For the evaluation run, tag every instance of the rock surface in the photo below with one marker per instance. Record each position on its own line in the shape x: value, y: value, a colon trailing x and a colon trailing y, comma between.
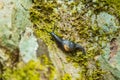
x: 28, y: 46
x: 110, y: 59
x: 14, y: 21
x: 17, y: 37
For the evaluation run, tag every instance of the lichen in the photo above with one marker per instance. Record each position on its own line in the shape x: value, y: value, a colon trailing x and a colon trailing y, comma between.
x: 110, y: 6
x: 114, y: 6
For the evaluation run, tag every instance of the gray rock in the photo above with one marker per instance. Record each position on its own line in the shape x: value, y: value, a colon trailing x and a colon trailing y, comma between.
x: 28, y: 46
x: 14, y: 20
x: 42, y: 49
x: 109, y: 23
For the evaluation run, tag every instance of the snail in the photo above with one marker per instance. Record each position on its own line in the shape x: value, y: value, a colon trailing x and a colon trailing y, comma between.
x: 66, y: 45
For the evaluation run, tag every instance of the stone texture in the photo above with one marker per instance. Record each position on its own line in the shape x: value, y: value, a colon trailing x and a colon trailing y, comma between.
x: 109, y: 23
x: 16, y: 32
x: 28, y: 46
x: 13, y: 22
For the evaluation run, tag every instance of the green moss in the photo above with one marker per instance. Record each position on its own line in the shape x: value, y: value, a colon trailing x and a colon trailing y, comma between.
x: 44, y: 18
x: 28, y: 72
x: 66, y: 77
x: 31, y: 71
x: 69, y: 23
x: 114, y: 6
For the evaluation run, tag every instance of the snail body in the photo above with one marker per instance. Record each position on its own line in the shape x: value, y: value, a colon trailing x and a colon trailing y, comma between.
x: 66, y: 45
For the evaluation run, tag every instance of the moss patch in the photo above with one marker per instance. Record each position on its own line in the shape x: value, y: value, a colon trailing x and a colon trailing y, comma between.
x: 30, y: 71
x: 75, y: 26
